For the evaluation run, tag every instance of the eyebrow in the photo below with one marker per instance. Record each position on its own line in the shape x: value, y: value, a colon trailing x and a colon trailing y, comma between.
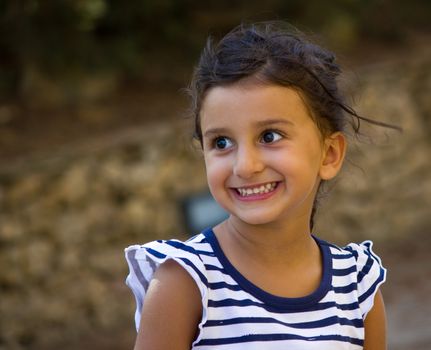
x: 274, y: 121
x: 262, y: 123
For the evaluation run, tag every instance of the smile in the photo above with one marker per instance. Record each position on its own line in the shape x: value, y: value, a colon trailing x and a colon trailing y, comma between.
x: 258, y: 190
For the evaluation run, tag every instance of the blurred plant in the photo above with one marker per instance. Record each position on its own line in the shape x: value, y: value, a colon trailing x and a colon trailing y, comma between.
x: 137, y: 38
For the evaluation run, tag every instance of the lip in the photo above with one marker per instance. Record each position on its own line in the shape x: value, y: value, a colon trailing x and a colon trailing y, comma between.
x: 258, y: 196
x: 255, y: 185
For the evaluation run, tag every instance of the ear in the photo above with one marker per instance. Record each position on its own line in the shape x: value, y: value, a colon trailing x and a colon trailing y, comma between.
x: 334, y: 151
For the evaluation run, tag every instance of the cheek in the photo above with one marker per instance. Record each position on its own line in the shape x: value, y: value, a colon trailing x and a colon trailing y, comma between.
x: 301, y: 162
x: 217, y: 176
x: 217, y: 170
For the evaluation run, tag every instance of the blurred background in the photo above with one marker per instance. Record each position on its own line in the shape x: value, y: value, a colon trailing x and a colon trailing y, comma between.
x: 96, y: 152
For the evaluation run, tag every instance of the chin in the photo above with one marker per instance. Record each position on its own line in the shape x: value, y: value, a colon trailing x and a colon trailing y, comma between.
x: 257, y: 219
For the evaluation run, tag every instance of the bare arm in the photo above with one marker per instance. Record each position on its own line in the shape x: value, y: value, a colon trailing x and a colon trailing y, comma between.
x: 375, y: 325
x: 171, y: 312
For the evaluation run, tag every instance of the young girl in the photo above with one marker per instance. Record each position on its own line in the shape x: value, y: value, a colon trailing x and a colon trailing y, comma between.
x: 270, y: 120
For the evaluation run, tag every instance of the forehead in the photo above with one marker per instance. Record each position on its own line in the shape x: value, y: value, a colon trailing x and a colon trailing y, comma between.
x: 253, y: 103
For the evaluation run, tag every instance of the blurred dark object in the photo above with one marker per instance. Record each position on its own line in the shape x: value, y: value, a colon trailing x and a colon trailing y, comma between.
x: 201, y: 211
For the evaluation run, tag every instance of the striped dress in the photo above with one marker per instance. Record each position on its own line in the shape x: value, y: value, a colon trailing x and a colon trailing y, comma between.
x: 239, y: 315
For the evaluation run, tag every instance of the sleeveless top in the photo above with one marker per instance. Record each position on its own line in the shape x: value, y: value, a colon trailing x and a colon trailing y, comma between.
x: 236, y: 314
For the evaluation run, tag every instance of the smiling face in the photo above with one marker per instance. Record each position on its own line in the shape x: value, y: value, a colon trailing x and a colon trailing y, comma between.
x: 263, y: 152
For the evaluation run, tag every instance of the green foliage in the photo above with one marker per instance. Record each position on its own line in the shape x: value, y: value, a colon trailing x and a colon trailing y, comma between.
x: 66, y: 37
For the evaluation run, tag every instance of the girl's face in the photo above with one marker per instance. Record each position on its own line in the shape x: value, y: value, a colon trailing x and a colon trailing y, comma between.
x: 264, y: 154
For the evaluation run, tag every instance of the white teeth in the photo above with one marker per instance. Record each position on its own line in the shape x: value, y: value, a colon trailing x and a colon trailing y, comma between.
x: 269, y: 187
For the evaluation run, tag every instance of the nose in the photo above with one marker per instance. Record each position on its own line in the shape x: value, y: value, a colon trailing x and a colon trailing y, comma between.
x: 248, y: 162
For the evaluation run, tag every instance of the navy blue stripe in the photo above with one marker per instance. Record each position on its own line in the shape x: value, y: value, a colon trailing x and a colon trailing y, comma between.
x: 203, y: 240
x: 191, y: 239
x: 281, y: 303
x: 340, y: 290
x: 209, y: 267
x: 373, y: 287
x: 202, y: 277
x: 330, y: 321
x: 344, y: 272
x: 159, y: 255
x: 156, y: 253
x: 247, y: 302
x: 277, y: 336
x: 330, y: 245
x: 366, y: 268
x: 368, y: 244
x: 220, y: 285
x: 353, y: 251
x: 187, y: 248
x: 346, y: 289
x: 342, y: 256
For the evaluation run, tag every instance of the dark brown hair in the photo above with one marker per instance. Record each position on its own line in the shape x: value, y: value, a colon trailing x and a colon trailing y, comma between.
x: 275, y: 53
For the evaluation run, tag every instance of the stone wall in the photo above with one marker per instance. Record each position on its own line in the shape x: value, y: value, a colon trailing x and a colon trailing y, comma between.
x: 66, y: 216
x: 384, y: 191
x: 65, y: 220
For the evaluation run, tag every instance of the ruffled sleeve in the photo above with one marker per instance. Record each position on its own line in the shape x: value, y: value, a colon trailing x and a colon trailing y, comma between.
x: 370, y: 274
x: 143, y: 261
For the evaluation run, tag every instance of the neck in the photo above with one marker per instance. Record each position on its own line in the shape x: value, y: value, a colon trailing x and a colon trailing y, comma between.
x: 275, y: 243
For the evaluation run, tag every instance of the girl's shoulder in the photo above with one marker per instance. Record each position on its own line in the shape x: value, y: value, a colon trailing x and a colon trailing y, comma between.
x: 359, y: 264
x: 188, y: 254
x: 361, y: 255
x: 357, y: 251
x: 143, y: 261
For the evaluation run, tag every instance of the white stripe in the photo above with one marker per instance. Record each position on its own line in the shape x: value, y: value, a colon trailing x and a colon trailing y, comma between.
x: 293, y: 345
x: 288, y: 317
x: 237, y: 330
